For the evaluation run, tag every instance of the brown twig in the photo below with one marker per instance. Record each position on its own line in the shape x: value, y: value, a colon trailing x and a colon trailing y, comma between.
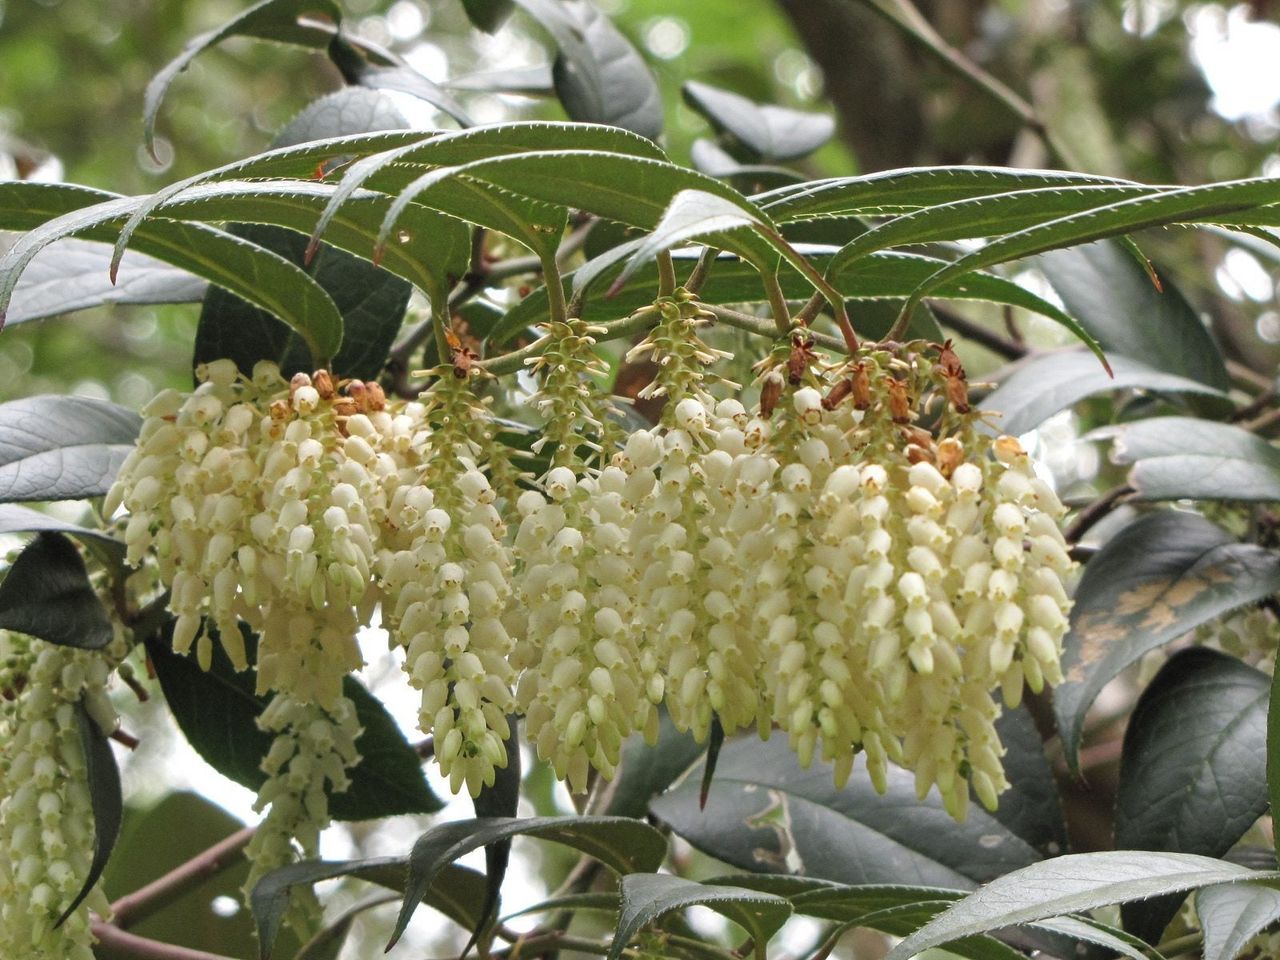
x: 993, y: 341
x: 145, y: 901
x: 1095, y: 511
x: 117, y: 944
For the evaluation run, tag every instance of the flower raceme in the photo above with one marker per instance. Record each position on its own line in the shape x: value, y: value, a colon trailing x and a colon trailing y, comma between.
x: 859, y: 564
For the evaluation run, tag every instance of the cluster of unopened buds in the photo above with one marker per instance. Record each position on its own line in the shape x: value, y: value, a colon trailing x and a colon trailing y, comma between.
x: 857, y: 562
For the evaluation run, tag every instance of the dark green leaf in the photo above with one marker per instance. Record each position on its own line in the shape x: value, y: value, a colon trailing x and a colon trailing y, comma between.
x: 895, y: 191
x: 529, y: 81
x: 883, y: 276
x: 1071, y: 884
x: 217, y: 711
x: 456, y: 891
x: 19, y: 519
x: 356, y: 69
x: 62, y: 448
x: 1193, y: 773
x: 647, y: 896
x: 500, y: 800
x: 1186, y: 205
x: 645, y: 771
x: 770, y: 132
x: 1030, y: 808
x: 430, y: 249
x: 1233, y: 914
x: 371, y: 302
x: 73, y: 275
x: 1112, y: 296
x: 1177, y: 457
x: 985, y: 216
x: 598, y: 75
x: 52, y: 211
x: 488, y: 15
x: 691, y: 214
x: 765, y: 814
x: 47, y: 594
x: 604, y: 901
x: 277, y: 20
x: 102, y: 777
x: 327, y: 943
x: 1158, y: 578
x: 620, y: 843
x: 1041, y: 386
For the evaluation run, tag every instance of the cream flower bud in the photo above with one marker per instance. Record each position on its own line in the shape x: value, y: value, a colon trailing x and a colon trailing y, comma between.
x: 808, y: 404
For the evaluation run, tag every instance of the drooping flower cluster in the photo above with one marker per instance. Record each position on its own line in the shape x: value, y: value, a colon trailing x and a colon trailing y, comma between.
x: 46, y: 815
x: 314, y: 747
x: 446, y: 573
x: 858, y: 563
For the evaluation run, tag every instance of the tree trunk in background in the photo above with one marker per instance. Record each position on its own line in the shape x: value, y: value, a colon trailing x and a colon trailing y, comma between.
x: 872, y: 77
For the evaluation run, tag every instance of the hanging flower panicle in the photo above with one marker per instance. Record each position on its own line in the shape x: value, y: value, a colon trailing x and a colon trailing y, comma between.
x: 46, y: 814
x: 447, y: 576
x: 313, y: 749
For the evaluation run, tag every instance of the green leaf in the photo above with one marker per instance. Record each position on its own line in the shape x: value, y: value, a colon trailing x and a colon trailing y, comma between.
x: 1158, y: 578
x: 1187, y: 205
x: 899, y: 910
x: 769, y: 132
x: 620, y: 843
x: 1186, y: 457
x: 691, y: 214
x: 456, y: 892
x: 478, y: 144
x: 257, y: 275
x: 1042, y: 385
x: 277, y: 20
x: 1233, y: 914
x: 1112, y: 296
x: 1071, y: 884
x: 647, y: 896
x: 598, y: 75
x: 896, y: 191
x: 62, y: 448
x: 1193, y: 773
x: 217, y: 711
x: 606, y: 901
x: 72, y: 275
x: 47, y: 594
x: 102, y: 777
x: 19, y: 519
x: 328, y: 942
x: 984, y: 216
x: 500, y: 800
x: 371, y: 301
x: 645, y: 771
x: 356, y: 69
x: 1030, y: 808
x: 765, y: 814
x: 881, y: 276
x: 1273, y: 753
x: 488, y: 15
x: 430, y: 249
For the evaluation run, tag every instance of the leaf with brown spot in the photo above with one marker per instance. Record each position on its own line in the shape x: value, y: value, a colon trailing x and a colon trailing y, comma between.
x: 1161, y: 576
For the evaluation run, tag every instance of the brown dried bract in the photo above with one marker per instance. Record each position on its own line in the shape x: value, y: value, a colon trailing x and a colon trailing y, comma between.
x: 952, y: 372
x: 298, y: 381
x: 861, y: 382
x: 950, y: 455
x: 899, y: 400
x: 802, y: 356
x: 837, y: 394
x: 770, y: 391
x: 919, y: 454
x: 323, y: 384
x: 463, y: 357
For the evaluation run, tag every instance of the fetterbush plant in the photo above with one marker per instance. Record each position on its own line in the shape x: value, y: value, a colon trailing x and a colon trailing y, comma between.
x: 825, y: 543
